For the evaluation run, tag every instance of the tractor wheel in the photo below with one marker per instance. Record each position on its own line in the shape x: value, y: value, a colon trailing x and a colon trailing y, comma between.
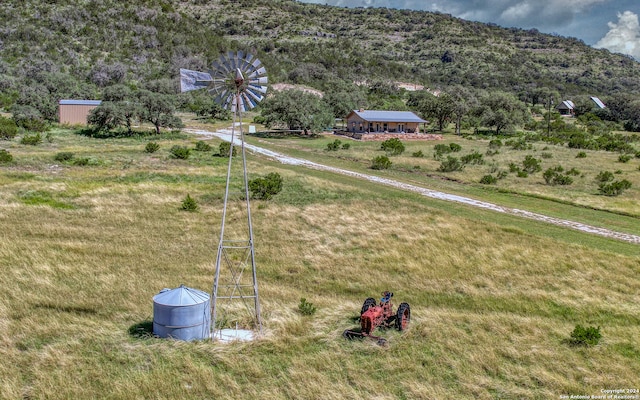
x: 370, y: 302
x: 403, y: 317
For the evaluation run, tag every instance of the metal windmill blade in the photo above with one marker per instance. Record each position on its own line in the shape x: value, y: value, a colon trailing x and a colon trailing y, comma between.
x: 238, y: 81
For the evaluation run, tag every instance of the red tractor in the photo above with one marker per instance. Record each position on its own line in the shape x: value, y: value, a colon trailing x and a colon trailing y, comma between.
x: 374, y: 316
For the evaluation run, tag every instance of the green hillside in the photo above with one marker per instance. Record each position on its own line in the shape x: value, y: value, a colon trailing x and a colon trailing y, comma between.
x: 70, y: 49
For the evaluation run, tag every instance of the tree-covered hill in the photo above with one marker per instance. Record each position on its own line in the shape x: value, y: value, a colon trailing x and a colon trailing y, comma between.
x: 74, y: 49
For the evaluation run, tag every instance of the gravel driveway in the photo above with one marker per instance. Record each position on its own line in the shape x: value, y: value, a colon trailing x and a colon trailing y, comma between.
x: 225, y: 134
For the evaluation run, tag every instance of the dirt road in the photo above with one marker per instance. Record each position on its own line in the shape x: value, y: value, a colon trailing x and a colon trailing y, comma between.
x: 225, y: 134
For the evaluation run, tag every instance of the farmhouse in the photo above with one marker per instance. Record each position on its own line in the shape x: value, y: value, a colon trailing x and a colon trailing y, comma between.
x: 370, y: 121
x: 76, y: 112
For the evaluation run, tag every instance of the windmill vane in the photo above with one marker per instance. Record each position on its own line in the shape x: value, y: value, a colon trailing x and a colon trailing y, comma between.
x: 236, y: 80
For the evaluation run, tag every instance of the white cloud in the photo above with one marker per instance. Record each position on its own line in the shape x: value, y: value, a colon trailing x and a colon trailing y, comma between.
x: 624, y: 36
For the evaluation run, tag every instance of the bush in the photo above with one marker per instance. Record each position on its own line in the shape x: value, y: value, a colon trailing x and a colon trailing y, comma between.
x: 531, y: 164
x: 8, y: 128
x: 5, y: 156
x: 495, y: 144
x: 63, y: 156
x: 381, y: 162
x: 346, y: 146
x: 473, y: 158
x: 223, y: 149
x: 81, y: 161
x: 264, y: 188
x: 624, y: 158
x: 546, y: 155
x: 202, y: 146
x: 581, y: 336
x: 604, y: 176
x: 556, y: 176
x: 189, y: 204
x: 180, y: 152
x: 451, y: 164
x: 614, y: 188
x: 418, y: 154
x: 455, y: 147
x: 306, y: 308
x: 151, y: 147
x: 334, y: 146
x: 581, y: 154
x: 488, y: 180
x: 31, y: 140
x: 392, y: 147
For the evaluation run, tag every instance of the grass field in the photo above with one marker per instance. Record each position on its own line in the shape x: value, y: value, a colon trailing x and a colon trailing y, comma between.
x: 83, y: 249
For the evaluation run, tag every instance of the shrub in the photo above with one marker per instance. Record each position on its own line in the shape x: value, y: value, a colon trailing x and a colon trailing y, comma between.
x: 346, y: 146
x: 306, y: 308
x: 624, y: 158
x: 223, y: 149
x: 604, y: 176
x: 495, y: 144
x: 381, y: 162
x: 63, y: 156
x: 8, y: 128
x: 614, y: 188
x: 151, y: 147
x: 472, y: 158
x: 451, y: 164
x: 455, y: 147
x: 31, y: 140
x: 546, y: 155
x: 81, y: 161
x: 418, y: 154
x: 264, y: 188
x: 5, y: 156
x: 556, y: 176
x: 531, y: 164
x: 180, y: 152
x: 488, y: 180
x: 189, y: 204
x: 581, y: 154
x: 202, y: 146
x: 334, y: 146
x: 581, y: 336
x: 392, y: 147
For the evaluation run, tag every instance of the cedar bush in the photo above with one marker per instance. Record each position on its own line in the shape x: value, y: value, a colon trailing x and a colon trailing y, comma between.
x: 264, y: 188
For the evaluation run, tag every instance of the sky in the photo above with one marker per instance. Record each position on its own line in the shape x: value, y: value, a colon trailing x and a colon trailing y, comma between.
x: 609, y: 24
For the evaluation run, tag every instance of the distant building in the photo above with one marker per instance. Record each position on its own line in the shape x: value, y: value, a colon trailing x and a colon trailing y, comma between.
x: 566, y: 108
x: 76, y: 112
x: 377, y: 121
x: 598, y: 102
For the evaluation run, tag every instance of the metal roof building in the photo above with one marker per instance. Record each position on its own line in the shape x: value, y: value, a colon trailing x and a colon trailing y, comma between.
x: 76, y: 112
x: 383, y: 121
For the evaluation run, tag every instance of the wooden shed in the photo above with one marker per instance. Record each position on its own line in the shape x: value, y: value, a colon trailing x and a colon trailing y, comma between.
x: 76, y: 112
x: 377, y: 121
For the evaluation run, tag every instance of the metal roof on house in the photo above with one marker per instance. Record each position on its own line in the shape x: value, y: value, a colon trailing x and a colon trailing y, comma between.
x: 598, y: 102
x: 388, y: 116
x: 567, y: 105
x: 80, y: 102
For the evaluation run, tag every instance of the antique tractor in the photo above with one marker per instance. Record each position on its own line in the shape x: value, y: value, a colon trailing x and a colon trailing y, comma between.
x: 374, y: 316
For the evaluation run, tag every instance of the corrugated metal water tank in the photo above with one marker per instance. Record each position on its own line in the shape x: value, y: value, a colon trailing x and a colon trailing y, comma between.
x: 182, y: 313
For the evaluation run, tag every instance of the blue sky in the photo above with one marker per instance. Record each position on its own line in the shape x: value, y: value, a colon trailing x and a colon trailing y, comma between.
x: 610, y: 24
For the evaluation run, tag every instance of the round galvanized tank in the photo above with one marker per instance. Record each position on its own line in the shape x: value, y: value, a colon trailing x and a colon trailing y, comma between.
x: 182, y: 313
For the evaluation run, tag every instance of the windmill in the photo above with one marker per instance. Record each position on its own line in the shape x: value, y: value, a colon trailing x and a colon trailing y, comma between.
x: 238, y: 82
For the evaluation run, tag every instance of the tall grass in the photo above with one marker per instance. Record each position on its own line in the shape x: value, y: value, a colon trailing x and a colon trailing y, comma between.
x: 493, y: 297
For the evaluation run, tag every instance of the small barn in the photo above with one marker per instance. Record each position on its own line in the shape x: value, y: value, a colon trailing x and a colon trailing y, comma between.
x: 566, y: 108
x: 76, y: 112
x: 377, y: 121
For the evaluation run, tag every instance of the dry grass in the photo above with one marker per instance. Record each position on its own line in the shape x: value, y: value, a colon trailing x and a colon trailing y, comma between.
x: 493, y: 298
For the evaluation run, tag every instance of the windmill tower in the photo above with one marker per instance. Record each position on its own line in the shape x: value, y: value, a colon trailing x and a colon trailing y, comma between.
x: 238, y: 82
